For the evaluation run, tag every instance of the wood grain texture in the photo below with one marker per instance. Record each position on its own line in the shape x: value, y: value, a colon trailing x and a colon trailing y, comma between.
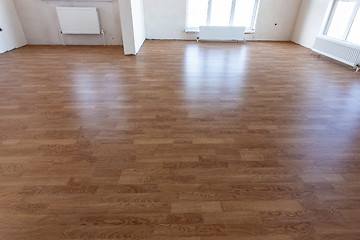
x: 186, y: 141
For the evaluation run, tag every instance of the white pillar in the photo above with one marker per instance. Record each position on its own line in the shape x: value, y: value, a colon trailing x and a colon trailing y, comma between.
x: 12, y: 35
x: 132, y: 24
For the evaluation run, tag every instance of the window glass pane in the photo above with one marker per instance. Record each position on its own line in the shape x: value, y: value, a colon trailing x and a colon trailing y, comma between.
x: 243, y: 13
x: 196, y: 13
x: 341, y: 19
x: 220, y: 12
x: 354, y: 35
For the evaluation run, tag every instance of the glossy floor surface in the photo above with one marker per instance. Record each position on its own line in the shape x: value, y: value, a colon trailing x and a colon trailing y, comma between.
x: 186, y: 141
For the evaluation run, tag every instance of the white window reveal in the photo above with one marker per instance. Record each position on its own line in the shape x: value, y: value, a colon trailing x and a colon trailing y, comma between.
x: 221, y: 13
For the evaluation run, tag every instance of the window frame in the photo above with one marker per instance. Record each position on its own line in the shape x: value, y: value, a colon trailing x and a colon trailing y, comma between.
x: 350, y: 23
x: 231, y: 19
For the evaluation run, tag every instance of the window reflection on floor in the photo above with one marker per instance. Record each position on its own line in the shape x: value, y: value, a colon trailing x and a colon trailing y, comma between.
x: 220, y: 70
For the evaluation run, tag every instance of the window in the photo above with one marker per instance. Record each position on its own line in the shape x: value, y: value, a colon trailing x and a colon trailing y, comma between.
x: 354, y: 34
x: 344, y: 21
x: 221, y: 13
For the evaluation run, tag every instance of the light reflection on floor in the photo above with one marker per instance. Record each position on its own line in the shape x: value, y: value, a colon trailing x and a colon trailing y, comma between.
x: 217, y: 70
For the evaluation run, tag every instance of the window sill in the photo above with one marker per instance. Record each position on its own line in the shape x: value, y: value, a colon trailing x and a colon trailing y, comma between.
x: 197, y: 30
x: 341, y: 41
x: 192, y: 30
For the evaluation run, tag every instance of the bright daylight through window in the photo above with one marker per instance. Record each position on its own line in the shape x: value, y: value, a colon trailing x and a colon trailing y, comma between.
x: 221, y: 13
x: 344, y: 21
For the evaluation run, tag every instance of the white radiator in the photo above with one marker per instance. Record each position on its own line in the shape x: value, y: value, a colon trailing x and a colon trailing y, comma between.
x: 79, y: 20
x: 339, y: 50
x: 221, y: 33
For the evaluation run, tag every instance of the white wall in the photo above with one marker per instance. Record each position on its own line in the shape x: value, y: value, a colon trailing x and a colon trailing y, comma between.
x: 281, y: 12
x: 12, y: 35
x: 41, y: 25
x: 299, y: 21
x: 132, y: 22
x: 310, y: 19
x: 165, y: 19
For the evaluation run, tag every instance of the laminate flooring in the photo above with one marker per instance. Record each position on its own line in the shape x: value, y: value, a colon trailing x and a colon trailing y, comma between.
x: 186, y: 141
